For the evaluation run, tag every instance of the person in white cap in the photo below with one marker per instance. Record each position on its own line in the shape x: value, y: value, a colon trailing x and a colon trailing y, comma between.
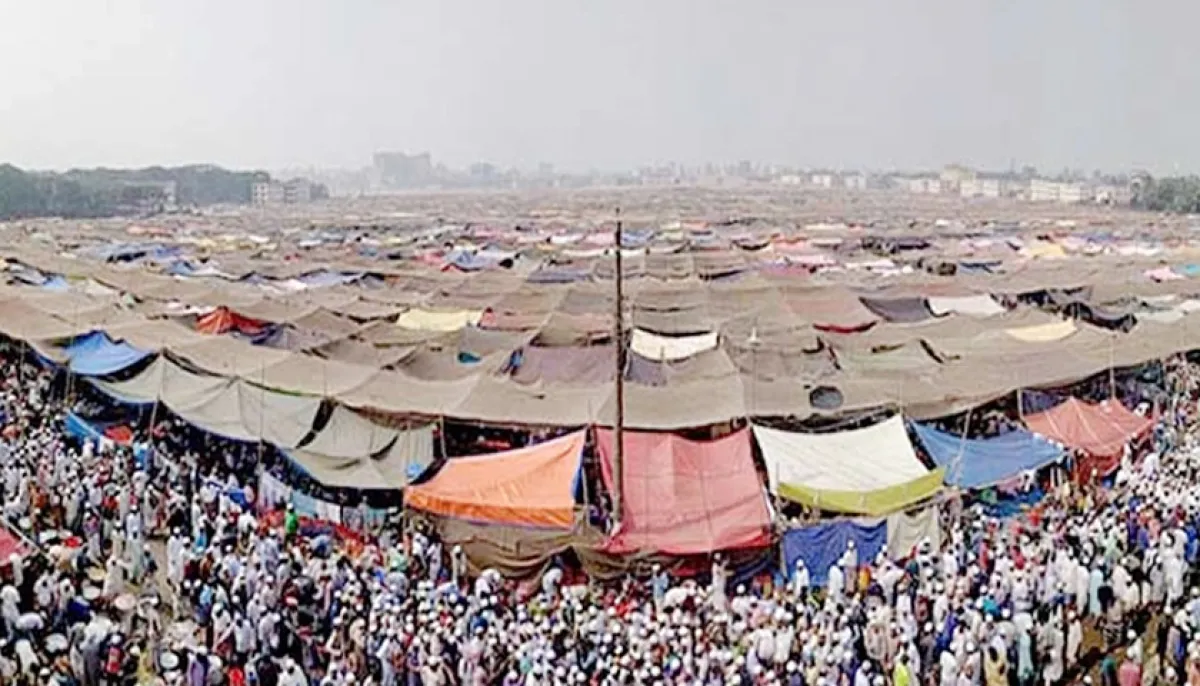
x: 800, y: 581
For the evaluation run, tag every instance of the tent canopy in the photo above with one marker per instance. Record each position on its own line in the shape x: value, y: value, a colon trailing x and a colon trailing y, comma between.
x: 872, y: 470
x: 96, y: 354
x: 684, y: 497
x: 1100, y: 429
x: 979, y: 463
x: 531, y: 486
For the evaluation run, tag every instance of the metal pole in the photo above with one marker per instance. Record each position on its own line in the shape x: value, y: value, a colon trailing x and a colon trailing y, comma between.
x: 619, y: 337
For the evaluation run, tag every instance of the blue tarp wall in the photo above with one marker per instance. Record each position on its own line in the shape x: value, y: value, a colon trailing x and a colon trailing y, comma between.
x: 822, y: 545
x: 986, y: 462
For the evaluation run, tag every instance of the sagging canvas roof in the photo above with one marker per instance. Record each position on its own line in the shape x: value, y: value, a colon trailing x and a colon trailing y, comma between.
x: 683, y: 497
x: 980, y: 463
x: 1100, y: 429
x: 393, y: 466
x: 531, y: 486
x: 872, y: 470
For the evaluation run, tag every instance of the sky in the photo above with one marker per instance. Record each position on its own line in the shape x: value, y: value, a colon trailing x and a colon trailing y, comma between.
x: 877, y: 84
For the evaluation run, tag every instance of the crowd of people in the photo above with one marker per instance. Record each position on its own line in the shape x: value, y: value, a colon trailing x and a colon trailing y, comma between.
x: 142, y: 570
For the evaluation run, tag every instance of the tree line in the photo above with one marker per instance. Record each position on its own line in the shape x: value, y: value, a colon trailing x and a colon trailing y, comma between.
x: 86, y: 193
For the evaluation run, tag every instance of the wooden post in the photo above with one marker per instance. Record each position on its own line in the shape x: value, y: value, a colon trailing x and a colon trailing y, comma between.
x: 619, y: 335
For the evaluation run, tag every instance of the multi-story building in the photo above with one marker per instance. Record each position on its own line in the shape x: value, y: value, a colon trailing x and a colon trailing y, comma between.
x: 266, y: 193
x: 926, y: 185
x: 822, y: 180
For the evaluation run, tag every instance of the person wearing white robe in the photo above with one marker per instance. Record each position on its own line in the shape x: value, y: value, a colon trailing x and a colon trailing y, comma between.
x: 1074, y: 640
x: 800, y: 581
x: 836, y: 583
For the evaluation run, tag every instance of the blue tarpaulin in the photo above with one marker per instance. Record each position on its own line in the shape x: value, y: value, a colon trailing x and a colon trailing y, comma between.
x: 96, y: 354
x: 57, y: 284
x: 983, y: 462
x: 82, y: 429
x: 822, y: 545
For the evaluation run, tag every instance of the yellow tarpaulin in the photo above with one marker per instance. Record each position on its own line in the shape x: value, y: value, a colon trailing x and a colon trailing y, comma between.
x: 875, y: 503
x: 1043, y: 333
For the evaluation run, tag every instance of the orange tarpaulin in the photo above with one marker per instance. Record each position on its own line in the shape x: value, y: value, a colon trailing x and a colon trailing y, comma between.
x: 527, y: 487
x: 223, y: 319
x: 1101, y: 430
x: 686, y: 497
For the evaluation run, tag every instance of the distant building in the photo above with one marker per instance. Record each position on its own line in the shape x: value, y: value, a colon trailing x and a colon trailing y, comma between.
x: 983, y: 188
x: 267, y: 193
x: 401, y: 170
x: 1043, y: 190
x: 295, y: 191
x: 855, y: 182
x: 822, y: 180
x: 925, y: 185
x: 953, y: 176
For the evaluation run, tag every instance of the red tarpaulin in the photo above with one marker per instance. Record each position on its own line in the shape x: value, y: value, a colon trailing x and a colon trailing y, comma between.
x: 1101, y: 431
x: 223, y: 319
x: 10, y: 544
x: 684, y: 497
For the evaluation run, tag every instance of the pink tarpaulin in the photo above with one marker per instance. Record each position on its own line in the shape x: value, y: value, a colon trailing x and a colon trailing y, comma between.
x: 9, y: 544
x: 1101, y: 430
x: 684, y: 497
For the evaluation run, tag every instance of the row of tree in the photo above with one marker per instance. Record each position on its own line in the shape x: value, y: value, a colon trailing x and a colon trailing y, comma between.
x: 1178, y: 194
x: 82, y: 193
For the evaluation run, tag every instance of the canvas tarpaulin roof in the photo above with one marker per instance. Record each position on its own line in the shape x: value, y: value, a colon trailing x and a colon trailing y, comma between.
x: 347, y: 434
x: 229, y: 407
x: 984, y: 462
x: 396, y: 464
x: 1100, y: 429
x: 532, y: 486
x: 685, y: 497
x: 96, y: 354
x: 872, y: 470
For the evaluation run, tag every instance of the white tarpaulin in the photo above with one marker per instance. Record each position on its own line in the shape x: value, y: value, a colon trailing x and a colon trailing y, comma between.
x: 669, y: 348
x: 907, y: 530
x: 438, y: 320
x: 869, y: 459
x: 969, y: 305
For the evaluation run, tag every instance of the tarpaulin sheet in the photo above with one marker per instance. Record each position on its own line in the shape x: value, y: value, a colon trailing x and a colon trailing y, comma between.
x: 223, y: 320
x: 95, y: 355
x: 983, y: 462
x: 866, y: 459
x: 1043, y: 333
x: 82, y: 429
x: 906, y: 531
x: 655, y: 347
x: 822, y: 545
x: 445, y: 320
x: 684, y: 497
x: 969, y: 305
x: 899, y: 310
x: 531, y: 486
x: 1101, y: 430
x: 397, y: 464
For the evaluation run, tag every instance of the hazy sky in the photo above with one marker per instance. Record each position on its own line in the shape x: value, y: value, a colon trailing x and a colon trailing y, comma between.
x: 1088, y: 84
